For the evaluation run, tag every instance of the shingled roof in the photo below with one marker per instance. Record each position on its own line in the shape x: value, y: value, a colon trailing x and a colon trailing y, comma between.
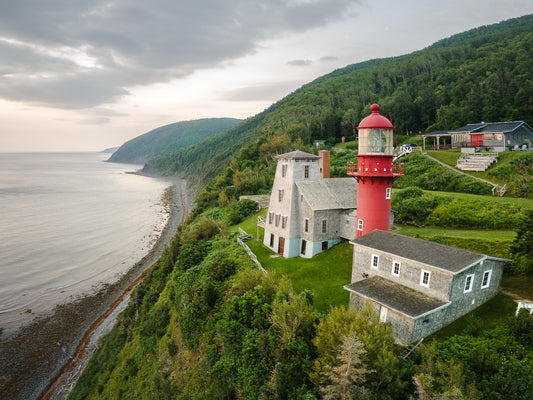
x: 438, y: 255
x: 298, y: 155
x: 491, y: 127
x: 329, y: 194
x: 395, y: 296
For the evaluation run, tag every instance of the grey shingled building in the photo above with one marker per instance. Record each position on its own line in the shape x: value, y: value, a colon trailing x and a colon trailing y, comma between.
x: 419, y: 286
x: 308, y: 212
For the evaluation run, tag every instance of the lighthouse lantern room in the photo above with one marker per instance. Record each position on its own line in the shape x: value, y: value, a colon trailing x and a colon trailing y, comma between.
x: 375, y: 172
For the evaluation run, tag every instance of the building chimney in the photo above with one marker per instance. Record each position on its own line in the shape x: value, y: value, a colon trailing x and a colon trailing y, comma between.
x: 323, y: 163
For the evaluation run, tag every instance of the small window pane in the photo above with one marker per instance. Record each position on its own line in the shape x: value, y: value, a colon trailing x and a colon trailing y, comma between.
x: 424, y: 278
x: 486, y: 279
x: 395, y: 268
x: 468, y: 283
x: 375, y: 261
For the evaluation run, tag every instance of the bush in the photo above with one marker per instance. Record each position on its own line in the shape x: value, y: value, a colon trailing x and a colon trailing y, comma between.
x: 242, y: 210
x: 417, y: 209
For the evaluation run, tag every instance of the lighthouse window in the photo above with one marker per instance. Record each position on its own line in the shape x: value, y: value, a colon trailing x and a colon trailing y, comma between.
x: 359, y: 224
x: 388, y: 193
x: 378, y: 141
x: 306, y: 225
x: 280, y: 194
x: 306, y: 171
x: 284, y: 221
x: 324, y: 225
x: 270, y: 217
x: 277, y: 219
x: 284, y: 170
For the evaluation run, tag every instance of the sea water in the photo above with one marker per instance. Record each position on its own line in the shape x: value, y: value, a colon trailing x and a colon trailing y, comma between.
x: 69, y: 223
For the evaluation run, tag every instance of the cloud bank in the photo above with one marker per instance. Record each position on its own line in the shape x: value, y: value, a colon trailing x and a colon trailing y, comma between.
x: 82, y: 53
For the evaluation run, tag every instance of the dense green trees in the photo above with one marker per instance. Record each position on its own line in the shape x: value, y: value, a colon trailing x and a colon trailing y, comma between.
x: 496, y: 364
x: 169, y: 138
x: 480, y: 75
x: 206, y: 324
x: 522, y: 247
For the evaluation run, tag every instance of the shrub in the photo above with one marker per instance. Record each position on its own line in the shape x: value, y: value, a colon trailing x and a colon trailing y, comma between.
x: 242, y: 210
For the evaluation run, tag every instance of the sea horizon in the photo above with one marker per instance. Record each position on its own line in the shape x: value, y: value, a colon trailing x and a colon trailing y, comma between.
x: 72, y: 222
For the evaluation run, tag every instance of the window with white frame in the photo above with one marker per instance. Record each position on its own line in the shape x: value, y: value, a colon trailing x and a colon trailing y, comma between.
x: 424, y: 278
x: 375, y: 261
x: 485, y: 282
x: 283, y: 221
x: 306, y: 171
x: 270, y: 218
x: 395, y: 268
x: 277, y: 219
x: 284, y: 170
x: 388, y: 192
x: 359, y: 224
x: 280, y: 194
x: 306, y: 223
x: 469, y: 281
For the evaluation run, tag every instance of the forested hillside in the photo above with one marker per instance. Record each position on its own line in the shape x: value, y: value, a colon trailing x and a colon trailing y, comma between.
x: 205, y: 323
x: 481, y: 75
x: 169, y: 138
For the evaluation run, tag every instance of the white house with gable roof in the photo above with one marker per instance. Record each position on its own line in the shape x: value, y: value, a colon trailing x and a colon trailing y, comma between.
x: 308, y: 211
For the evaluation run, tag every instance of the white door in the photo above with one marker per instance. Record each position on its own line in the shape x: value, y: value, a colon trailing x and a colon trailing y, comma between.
x: 383, y: 314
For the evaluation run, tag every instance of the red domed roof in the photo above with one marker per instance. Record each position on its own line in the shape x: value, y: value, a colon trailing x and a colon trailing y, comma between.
x: 375, y: 120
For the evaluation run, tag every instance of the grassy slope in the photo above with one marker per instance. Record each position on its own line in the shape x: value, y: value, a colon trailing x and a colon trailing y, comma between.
x: 450, y: 157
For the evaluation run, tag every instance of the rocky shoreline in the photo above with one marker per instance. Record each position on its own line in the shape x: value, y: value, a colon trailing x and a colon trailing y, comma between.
x: 35, y: 357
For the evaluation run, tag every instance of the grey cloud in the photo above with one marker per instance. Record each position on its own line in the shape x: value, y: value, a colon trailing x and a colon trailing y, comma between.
x: 260, y: 92
x: 135, y: 42
x: 96, y: 121
x: 300, y: 63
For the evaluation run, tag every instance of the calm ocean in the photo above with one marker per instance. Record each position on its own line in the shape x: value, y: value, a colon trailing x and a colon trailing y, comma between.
x: 69, y: 223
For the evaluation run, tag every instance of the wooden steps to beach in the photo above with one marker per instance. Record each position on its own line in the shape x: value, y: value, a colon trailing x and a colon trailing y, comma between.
x: 477, y: 162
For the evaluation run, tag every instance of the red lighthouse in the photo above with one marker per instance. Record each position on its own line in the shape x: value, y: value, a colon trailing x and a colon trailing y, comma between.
x: 375, y: 172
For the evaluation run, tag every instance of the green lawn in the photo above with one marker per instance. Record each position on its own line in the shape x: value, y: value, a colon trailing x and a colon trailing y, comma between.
x: 521, y: 286
x: 432, y: 232
x: 522, y: 203
x: 449, y: 157
x: 324, y: 274
x: 489, y: 315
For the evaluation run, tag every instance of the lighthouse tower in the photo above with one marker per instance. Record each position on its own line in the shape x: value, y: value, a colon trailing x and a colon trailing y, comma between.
x: 374, y: 172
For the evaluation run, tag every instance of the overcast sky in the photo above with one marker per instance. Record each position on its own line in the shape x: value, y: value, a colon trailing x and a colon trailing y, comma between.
x: 80, y: 75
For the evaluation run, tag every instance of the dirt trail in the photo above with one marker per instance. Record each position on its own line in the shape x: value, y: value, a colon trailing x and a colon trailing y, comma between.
x: 461, y: 172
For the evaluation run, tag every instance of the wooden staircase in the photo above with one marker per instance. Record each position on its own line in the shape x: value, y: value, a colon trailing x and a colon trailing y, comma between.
x: 477, y: 162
